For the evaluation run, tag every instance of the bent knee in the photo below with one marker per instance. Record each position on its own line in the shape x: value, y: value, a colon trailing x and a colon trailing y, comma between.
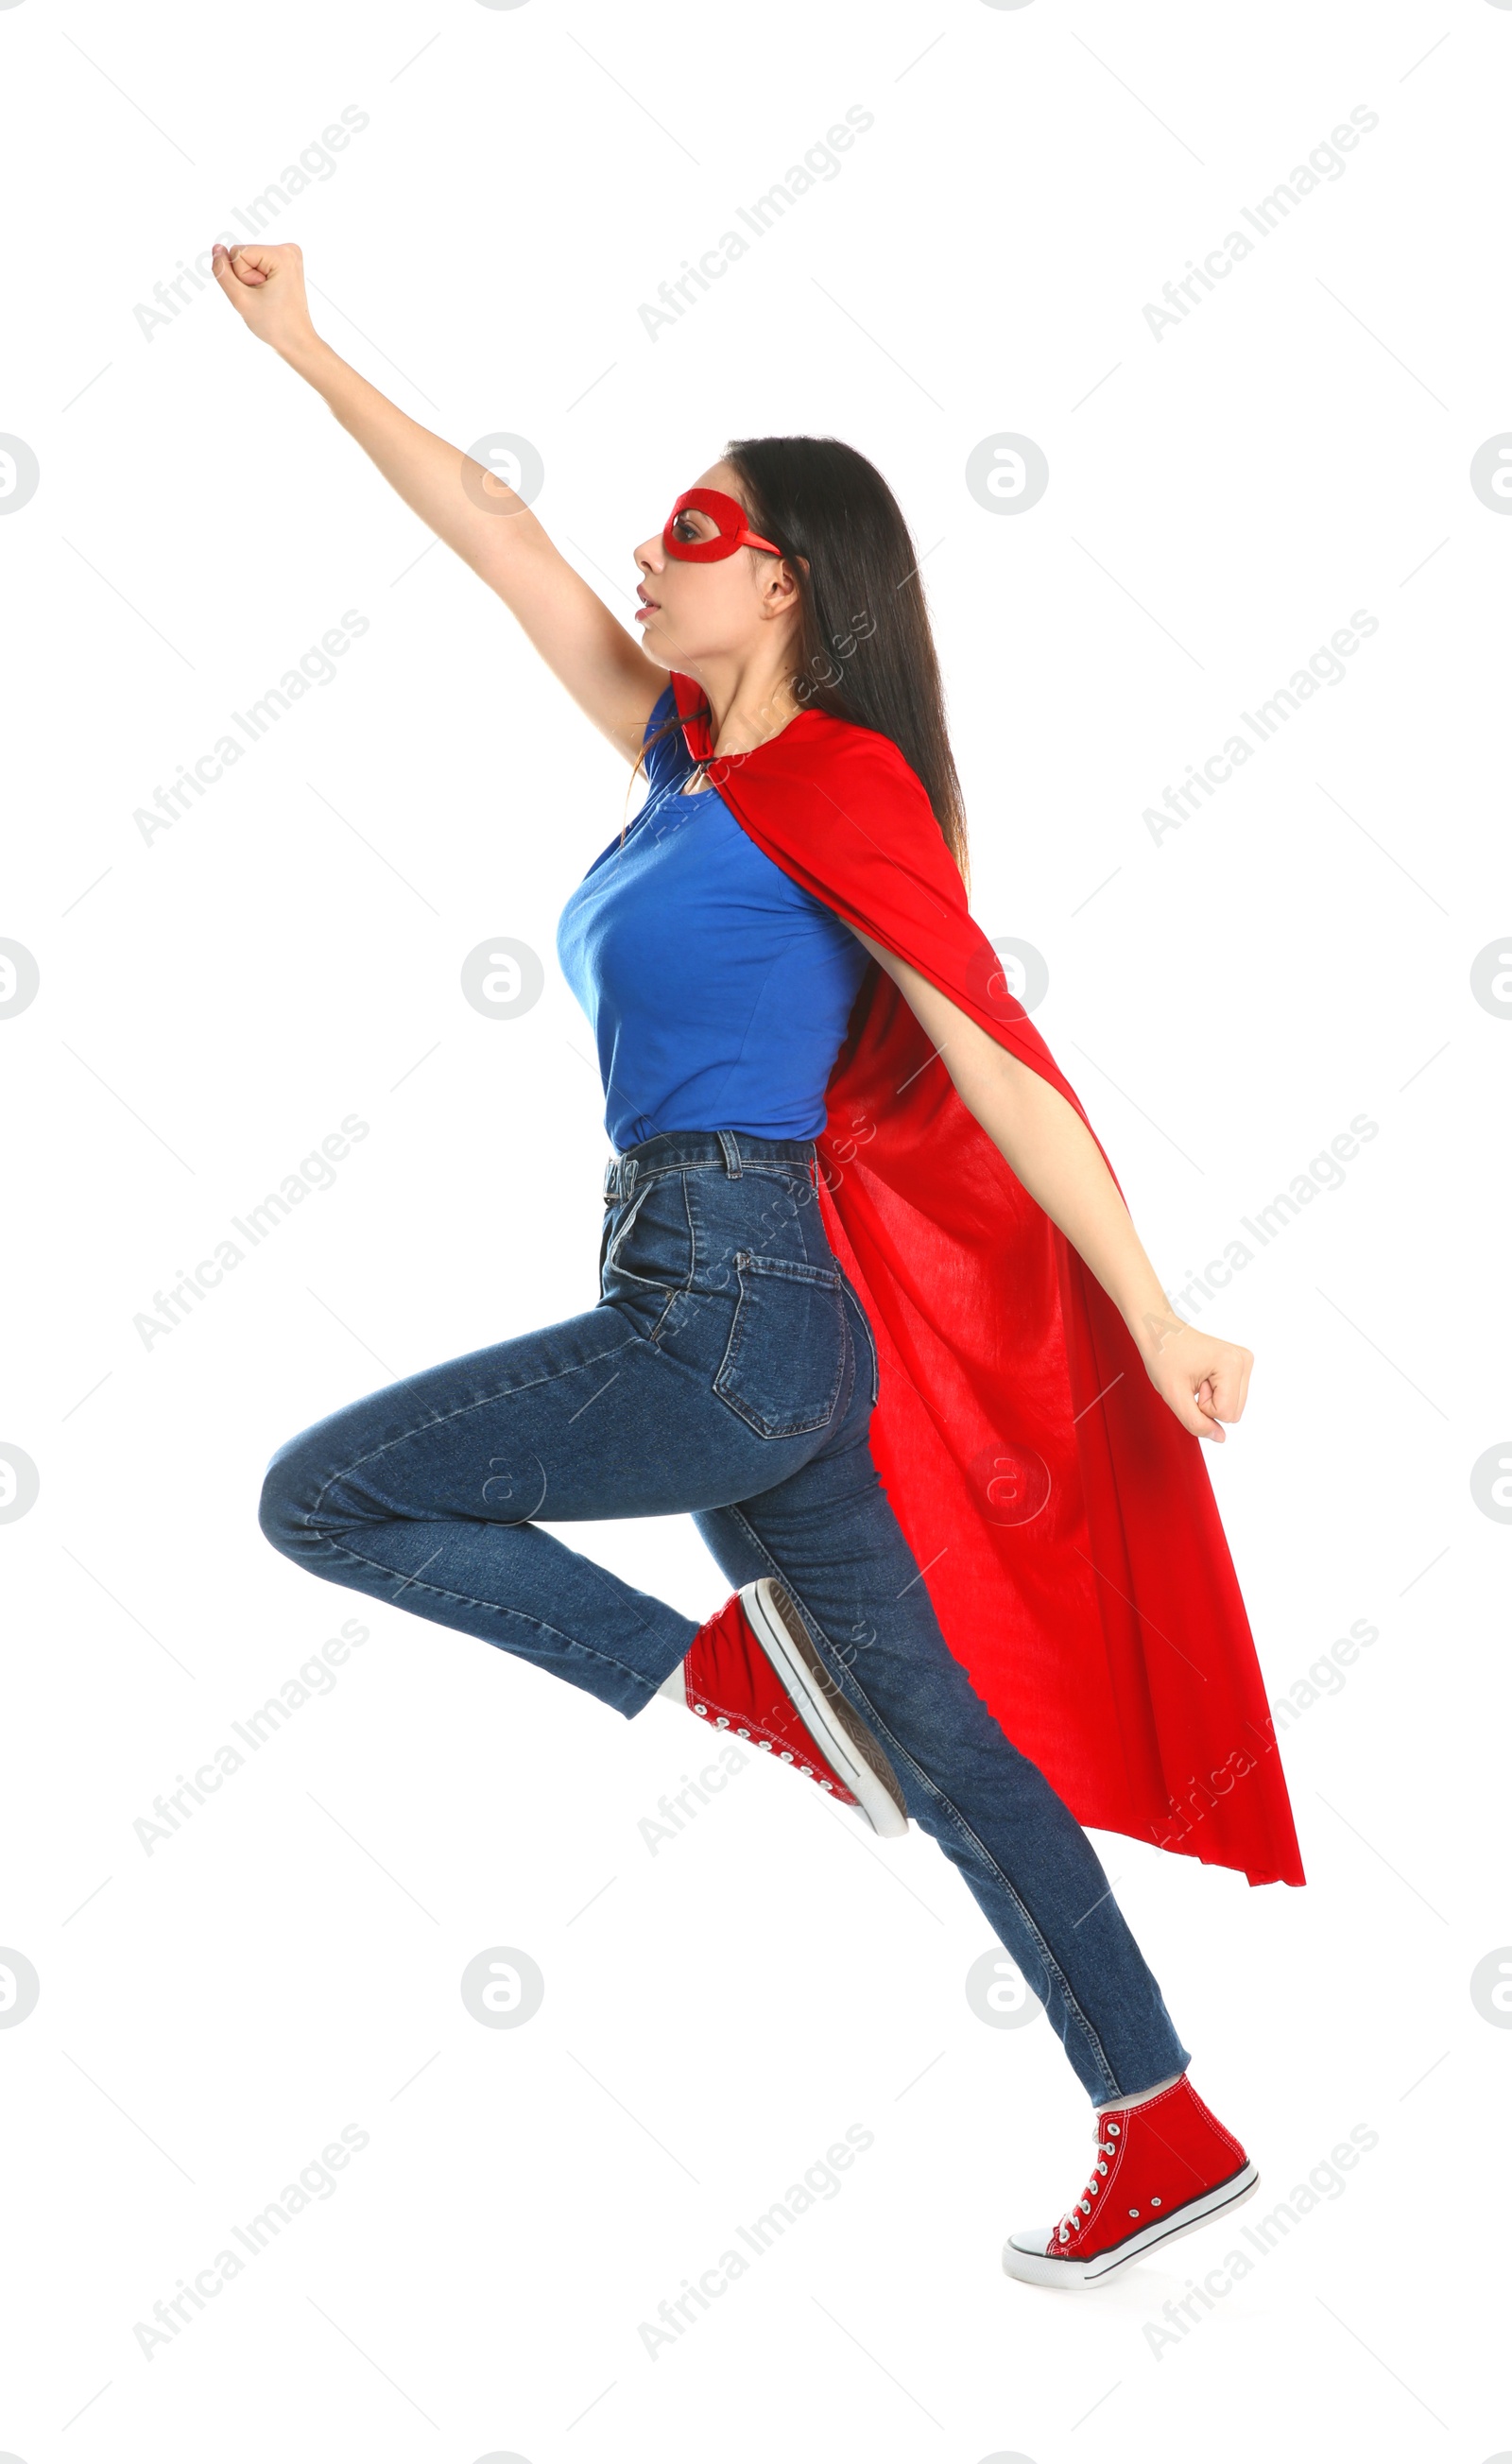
x: 290, y: 1491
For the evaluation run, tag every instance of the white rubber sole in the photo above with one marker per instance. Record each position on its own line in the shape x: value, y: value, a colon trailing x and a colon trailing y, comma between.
x: 841, y: 1735
x: 1024, y: 2253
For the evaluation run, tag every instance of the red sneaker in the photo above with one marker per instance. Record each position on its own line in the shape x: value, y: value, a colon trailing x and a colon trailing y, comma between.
x: 1163, y: 2167
x: 754, y: 1670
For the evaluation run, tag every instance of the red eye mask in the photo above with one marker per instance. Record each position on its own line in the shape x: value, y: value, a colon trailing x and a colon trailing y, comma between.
x: 732, y: 532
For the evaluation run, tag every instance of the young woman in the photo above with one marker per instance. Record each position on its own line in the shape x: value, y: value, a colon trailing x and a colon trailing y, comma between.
x: 783, y: 700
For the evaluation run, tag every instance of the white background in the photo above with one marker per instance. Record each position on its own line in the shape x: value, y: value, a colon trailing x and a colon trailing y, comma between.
x: 1225, y: 1001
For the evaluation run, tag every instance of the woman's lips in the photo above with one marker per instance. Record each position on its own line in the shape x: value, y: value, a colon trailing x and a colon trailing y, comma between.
x: 648, y: 608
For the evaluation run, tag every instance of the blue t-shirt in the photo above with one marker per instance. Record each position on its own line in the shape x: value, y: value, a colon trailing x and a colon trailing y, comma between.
x: 718, y: 990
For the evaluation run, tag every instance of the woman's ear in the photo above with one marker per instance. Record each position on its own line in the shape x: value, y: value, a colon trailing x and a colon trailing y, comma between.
x: 779, y: 592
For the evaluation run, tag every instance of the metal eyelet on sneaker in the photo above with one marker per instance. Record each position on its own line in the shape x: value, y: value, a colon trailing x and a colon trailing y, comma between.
x: 1155, y: 2202
x: 743, y: 1733
x: 702, y: 1709
x: 1133, y: 2211
x: 721, y: 1722
x: 827, y: 1783
x: 786, y: 1757
x: 1112, y: 2130
x: 1102, y: 2168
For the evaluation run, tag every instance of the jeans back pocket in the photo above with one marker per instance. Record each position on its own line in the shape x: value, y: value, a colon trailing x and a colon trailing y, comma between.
x: 785, y: 1359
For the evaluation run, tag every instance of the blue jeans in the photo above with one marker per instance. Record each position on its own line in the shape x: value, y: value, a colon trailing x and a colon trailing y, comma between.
x: 726, y: 1371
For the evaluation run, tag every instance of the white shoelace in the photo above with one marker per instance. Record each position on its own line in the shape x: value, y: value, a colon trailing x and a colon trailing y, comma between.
x: 1071, y: 2221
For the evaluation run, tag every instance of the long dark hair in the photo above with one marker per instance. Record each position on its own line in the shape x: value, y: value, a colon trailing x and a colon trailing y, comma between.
x: 864, y: 650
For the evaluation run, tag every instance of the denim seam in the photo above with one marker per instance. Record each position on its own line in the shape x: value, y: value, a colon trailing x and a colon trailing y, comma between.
x: 495, y: 1608
x: 667, y: 1306
x: 628, y: 1275
x: 612, y: 1265
x: 769, y: 1171
x: 792, y: 1270
x: 631, y: 1207
x: 802, y: 1270
x: 1094, y: 2043
x: 688, y: 1291
x: 676, y: 1291
x: 875, y: 1381
x: 475, y: 1404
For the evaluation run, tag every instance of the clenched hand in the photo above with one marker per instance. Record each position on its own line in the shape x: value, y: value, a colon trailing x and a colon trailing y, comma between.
x: 265, y: 288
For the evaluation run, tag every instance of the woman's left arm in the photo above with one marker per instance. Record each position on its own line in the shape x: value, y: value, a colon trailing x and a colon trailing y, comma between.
x: 1052, y: 1152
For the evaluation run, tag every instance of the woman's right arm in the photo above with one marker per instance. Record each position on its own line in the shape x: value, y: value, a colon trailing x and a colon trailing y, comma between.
x: 601, y: 665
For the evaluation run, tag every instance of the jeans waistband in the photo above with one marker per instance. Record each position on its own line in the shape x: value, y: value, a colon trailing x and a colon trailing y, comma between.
x: 726, y: 1150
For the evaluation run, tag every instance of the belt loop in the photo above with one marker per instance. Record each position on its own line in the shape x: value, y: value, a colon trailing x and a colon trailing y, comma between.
x: 731, y: 1153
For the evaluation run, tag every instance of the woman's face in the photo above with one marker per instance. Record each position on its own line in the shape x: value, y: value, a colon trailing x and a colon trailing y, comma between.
x: 692, y: 612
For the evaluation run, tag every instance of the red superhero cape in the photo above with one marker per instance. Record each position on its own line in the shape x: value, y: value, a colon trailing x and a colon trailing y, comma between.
x: 1063, y: 1517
